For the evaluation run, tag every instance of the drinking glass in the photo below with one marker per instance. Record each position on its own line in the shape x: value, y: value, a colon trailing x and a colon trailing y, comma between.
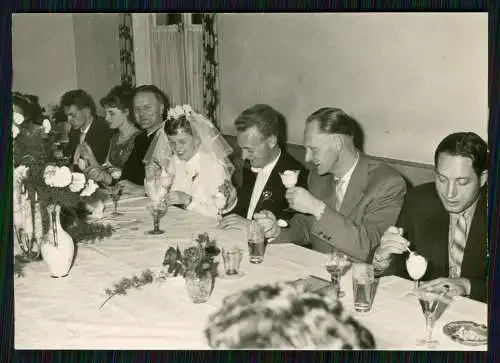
x: 158, y: 210
x: 220, y: 203
x: 429, y: 301
x: 256, y: 242
x: 363, y: 286
x: 232, y: 259
x: 337, y: 265
x: 116, y: 192
x: 289, y: 179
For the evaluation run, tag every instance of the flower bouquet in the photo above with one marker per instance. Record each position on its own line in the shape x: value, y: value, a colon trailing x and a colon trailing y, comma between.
x: 45, y: 189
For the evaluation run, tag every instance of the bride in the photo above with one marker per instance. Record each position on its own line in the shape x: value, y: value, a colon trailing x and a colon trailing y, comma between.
x: 196, y: 154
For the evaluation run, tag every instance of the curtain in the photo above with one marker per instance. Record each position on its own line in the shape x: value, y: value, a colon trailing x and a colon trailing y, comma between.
x: 127, y: 65
x: 168, y: 62
x: 210, y: 69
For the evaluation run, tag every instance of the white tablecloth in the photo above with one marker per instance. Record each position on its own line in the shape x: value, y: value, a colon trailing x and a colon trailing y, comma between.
x: 63, y: 313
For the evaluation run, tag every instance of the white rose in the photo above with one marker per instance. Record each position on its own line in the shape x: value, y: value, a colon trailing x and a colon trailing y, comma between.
x: 18, y: 118
x: 46, y: 126
x: 63, y: 177
x: 15, y: 131
x: 89, y: 189
x: 77, y: 182
x: 116, y: 173
x: 178, y: 111
x: 187, y: 109
x: 48, y: 175
x: 170, y: 113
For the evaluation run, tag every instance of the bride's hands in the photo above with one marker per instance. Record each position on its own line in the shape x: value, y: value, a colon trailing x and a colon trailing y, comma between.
x: 178, y: 198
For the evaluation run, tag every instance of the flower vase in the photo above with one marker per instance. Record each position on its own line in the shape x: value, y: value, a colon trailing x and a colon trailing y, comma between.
x: 57, y: 248
x: 199, y: 287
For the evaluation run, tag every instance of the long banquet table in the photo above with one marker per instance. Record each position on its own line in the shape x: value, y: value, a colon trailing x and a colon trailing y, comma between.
x: 63, y: 313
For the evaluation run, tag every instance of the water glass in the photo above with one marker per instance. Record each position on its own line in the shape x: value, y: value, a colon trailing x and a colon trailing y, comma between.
x: 232, y: 259
x: 256, y: 242
x: 363, y: 286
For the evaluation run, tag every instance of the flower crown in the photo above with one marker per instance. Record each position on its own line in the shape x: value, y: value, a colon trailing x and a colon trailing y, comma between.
x: 178, y: 111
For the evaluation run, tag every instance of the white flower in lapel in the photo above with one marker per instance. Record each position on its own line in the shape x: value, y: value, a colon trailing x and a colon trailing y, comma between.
x: 266, y: 195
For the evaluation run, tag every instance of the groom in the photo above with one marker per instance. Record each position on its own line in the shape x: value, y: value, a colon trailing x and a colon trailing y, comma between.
x: 259, y: 132
x: 150, y: 109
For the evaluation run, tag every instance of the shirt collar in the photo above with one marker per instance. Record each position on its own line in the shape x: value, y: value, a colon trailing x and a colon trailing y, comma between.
x: 157, y: 127
x: 84, y: 131
x: 347, y: 176
x: 269, y: 167
x: 468, y: 213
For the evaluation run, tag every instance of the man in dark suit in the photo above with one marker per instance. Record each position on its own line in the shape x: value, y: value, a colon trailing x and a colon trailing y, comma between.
x: 150, y: 109
x: 259, y: 133
x: 351, y: 199
x: 445, y: 221
x: 86, y: 126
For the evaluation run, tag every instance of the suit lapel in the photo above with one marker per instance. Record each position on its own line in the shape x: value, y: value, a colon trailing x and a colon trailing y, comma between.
x: 274, y: 178
x: 438, y: 228
x: 476, y: 247
x: 356, y: 187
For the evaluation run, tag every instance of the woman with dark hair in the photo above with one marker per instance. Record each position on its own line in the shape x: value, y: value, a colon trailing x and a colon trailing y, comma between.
x: 197, y: 155
x: 118, y: 107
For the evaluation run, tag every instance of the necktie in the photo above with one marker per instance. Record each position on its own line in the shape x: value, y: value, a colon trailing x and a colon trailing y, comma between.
x: 339, y: 188
x: 458, y: 246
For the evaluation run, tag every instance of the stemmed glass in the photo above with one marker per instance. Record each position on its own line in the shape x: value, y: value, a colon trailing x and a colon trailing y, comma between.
x: 429, y: 301
x: 115, y: 192
x: 289, y: 179
x: 156, y: 191
x: 337, y: 265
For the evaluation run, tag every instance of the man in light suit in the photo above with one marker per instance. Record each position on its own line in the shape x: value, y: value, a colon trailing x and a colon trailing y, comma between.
x: 351, y: 199
x: 445, y: 221
x: 260, y: 134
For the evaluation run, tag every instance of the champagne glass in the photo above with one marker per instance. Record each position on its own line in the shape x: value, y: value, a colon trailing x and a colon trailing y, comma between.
x: 289, y: 179
x: 158, y: 210
x: 337, y: 265
x: 429, y: 301
x: 220, y: 203
x: 116, y: 193
x: 156, y: 192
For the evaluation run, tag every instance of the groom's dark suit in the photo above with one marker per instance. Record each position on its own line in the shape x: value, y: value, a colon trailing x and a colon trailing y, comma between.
x: 426, y: 225
x: 97, y: 137
x: 273, y: 195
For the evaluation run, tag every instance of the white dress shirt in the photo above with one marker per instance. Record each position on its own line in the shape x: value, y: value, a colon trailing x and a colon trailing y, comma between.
x: 260, y: 182
x: 343, y: 183
x: 84, y: 132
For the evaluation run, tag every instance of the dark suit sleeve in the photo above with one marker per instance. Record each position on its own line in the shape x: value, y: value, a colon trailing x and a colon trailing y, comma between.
x: 133, y: 170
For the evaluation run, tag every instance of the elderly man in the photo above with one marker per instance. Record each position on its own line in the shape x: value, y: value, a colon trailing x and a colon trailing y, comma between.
x: 150, y: 109
x: 86, y: 127
x: 259, y: 137
x: 445, y: 221
x: 351, y: 199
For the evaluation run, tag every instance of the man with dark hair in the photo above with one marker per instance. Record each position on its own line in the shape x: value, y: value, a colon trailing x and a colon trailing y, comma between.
x: 259, y: 133
x: 150, y: 109
x: 86, y: 126
x: 351, y: 200
x: 445, y: 221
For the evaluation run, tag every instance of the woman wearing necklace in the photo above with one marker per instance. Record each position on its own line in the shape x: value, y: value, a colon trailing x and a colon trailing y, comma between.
x: 118, y: 106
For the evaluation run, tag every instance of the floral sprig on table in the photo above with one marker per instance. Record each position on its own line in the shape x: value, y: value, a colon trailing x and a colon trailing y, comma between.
x: 197, y: 258
x: 124, y: 284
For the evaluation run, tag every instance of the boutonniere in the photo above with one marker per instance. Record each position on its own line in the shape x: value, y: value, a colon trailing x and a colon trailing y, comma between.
x: 267, y: 195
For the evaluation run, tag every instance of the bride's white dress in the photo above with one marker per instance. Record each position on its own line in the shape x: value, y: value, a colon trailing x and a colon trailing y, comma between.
x: 200, y: 177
